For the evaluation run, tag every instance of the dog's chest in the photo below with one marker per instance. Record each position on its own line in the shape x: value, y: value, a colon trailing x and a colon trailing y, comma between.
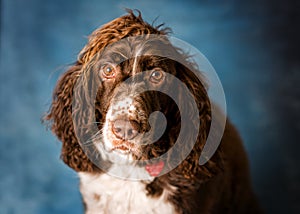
x: 106, y: 194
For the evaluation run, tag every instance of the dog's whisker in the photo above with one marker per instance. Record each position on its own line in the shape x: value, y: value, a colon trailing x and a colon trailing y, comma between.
x: 101, y: 123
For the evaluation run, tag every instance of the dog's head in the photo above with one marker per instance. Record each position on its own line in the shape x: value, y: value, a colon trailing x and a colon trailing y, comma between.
x: 129, y: 69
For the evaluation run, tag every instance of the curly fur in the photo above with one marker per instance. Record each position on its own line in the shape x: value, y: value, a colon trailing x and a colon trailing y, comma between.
x: 222, y: 185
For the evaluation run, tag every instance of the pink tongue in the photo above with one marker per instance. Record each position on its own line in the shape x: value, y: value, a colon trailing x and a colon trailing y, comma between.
x: 155, y: 169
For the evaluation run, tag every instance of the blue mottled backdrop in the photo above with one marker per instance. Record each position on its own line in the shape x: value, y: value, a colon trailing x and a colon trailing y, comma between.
x: 253, y: 45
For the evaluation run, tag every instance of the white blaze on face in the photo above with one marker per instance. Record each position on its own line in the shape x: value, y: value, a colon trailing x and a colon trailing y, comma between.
x: 138, y: 53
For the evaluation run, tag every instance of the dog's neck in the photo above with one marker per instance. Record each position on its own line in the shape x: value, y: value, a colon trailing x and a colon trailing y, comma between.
x: 103, y: 193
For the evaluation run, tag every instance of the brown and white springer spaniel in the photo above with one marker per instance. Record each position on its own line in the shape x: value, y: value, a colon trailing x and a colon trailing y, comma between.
x: 222, y: 185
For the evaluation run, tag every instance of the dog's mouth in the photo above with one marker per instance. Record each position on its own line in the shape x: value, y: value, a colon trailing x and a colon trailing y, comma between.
x: 124, y: 147
x: 129, y: 151
x: 121, y: 148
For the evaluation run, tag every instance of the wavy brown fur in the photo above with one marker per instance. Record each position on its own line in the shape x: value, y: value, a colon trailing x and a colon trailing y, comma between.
x: 222, y: 185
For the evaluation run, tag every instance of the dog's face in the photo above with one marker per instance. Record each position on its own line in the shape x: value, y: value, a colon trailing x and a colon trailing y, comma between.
x: 132, y: 74
x: 130, y: 78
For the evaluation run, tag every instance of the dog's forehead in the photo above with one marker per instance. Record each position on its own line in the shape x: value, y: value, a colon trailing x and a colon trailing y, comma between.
x: 131, y: 48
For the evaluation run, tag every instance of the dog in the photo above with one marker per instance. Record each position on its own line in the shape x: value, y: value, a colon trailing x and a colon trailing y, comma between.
x: 174, y: 184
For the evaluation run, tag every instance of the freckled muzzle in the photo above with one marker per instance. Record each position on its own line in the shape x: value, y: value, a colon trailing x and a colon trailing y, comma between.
x: 128, y: 126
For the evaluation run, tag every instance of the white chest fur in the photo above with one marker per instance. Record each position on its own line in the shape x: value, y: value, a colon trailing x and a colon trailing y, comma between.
x: 104, y: 194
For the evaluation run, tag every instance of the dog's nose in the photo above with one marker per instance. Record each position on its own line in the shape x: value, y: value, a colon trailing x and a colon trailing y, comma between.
x: 125, y: 129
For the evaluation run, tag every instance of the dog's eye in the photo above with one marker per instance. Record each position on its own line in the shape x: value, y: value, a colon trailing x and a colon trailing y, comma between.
x: 108, y: 71
x: 156, y: 76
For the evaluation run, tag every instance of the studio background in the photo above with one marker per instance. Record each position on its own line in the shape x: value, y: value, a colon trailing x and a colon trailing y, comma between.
x: 253, y: 46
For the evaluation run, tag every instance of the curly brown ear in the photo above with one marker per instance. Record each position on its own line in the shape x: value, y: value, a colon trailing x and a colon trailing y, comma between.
x: 196, y: 84
x: 60, y: 119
